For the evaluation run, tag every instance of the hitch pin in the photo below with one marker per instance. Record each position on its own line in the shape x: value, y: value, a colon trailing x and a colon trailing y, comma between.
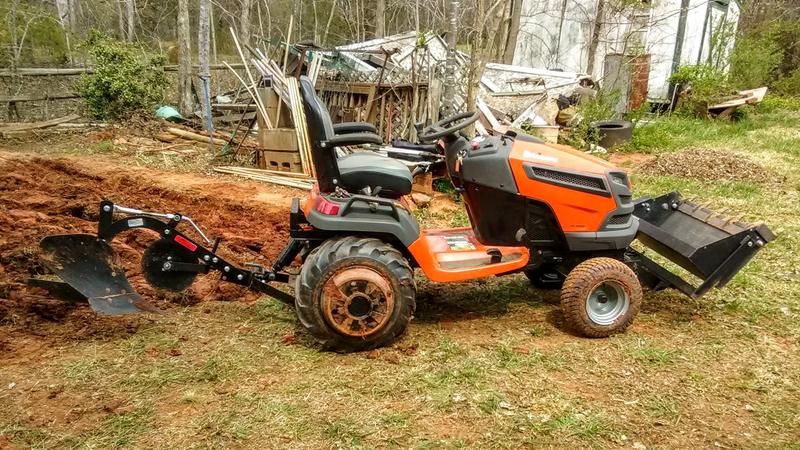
x: 168, y: 216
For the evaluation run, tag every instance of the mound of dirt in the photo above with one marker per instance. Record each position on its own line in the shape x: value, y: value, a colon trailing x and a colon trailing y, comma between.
x: 39, y: 197
x: 706, y: 164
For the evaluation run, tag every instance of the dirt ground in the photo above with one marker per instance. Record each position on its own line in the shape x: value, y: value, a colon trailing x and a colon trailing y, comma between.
x: 485, y: 364
x: 45, y: 196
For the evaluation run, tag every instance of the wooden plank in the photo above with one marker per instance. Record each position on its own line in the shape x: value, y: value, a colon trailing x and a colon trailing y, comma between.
x: 39, y: 125
x: 234, y: 106
x: 37, y: 98
x: 194, y: 136
x: 266, y: 177
x: 47, y: 71
x: 359, y: 87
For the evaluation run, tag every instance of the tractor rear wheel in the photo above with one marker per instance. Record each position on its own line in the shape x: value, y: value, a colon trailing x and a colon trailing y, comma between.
x: 355, y: 293
x: 601, y: 297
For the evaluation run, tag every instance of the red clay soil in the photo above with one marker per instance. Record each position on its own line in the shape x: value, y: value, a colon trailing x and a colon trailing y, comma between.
x: 40, y: 196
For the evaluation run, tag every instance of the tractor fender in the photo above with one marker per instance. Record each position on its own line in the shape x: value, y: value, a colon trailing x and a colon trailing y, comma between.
x: 369, y: 216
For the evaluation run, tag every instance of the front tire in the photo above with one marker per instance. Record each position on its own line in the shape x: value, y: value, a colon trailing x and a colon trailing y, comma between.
x: 601, y: 297
x: 355, y: 294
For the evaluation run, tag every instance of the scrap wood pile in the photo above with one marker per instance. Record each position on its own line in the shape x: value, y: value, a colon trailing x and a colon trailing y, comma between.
x: 263, y: 72
x: 509, y: 96
x: 391, y: 82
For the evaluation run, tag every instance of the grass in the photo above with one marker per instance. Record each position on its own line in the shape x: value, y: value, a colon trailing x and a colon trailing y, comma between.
x: 485, y: 364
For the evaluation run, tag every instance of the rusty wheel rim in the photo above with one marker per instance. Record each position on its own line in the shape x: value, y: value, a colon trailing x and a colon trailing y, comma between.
x: 357, y: 301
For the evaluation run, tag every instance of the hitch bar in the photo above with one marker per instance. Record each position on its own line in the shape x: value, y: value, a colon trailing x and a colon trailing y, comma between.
x: 257, y: 279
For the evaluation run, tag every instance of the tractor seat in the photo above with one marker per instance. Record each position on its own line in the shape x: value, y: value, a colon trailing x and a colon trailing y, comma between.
x: 366, y: 169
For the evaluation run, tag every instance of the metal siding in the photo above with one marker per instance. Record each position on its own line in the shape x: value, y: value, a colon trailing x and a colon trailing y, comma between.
x: 538, y: 43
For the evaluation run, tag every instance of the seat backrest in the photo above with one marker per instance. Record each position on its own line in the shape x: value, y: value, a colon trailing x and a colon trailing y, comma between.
x: 320, y: 129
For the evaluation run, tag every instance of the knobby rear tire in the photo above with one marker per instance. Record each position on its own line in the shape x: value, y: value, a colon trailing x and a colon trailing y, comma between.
x: 335, y: 256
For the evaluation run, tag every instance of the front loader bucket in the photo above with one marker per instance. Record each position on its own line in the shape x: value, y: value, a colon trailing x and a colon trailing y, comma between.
x: 708, y: 244
x: 91, y: 267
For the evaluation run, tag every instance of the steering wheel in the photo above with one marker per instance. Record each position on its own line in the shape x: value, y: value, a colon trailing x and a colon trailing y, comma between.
x: 441, y: 129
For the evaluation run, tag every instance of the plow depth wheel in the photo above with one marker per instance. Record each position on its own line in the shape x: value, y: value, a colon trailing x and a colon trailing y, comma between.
x: 601, y: 297
x: 355, y: 293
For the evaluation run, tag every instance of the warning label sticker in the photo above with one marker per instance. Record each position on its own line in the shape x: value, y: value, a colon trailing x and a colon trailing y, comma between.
x: 459, y: 243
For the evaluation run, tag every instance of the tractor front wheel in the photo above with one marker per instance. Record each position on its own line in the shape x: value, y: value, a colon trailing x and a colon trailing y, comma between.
x: 355, y: 293
x: 601, y: 297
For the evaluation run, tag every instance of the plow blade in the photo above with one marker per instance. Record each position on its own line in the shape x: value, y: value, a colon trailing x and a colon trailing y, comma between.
x: 708, y: 244
x: 92, y: 268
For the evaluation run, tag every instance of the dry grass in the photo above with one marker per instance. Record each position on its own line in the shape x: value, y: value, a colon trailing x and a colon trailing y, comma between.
x: 485, y: 364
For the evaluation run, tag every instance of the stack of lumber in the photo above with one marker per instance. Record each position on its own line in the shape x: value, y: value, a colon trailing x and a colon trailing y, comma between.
x: 290, y: 179
x: 288, y: 92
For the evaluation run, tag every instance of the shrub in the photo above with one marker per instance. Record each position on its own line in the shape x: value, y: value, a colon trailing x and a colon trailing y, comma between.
x: 755, y: 60
x: 699, y: 86
x: 126, y: 78
x: 789, y: 85
x: 600, y: 107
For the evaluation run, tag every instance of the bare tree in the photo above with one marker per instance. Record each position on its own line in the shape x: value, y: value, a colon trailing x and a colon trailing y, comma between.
x: 186, y: 105
x: 380, y: 18
x: 203, y: 45
x: 120, y: 19
x: 484, y: 39
x: 450, y: 63
x: 513, y: 31
x: 328, y: 25
x: 66, y: 18
x: 130, y: 15
x: 244, y: 22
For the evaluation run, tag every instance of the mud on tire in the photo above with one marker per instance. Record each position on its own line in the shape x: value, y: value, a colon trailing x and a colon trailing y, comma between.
x: 600, y: 297
x: 355, y: 293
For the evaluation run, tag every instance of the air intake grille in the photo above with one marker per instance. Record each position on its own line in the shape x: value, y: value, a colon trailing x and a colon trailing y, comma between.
x: 619, y: 220
x: 558, y: 177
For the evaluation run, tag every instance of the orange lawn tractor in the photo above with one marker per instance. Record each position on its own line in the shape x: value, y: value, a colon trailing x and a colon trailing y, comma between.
x: 563, y: 218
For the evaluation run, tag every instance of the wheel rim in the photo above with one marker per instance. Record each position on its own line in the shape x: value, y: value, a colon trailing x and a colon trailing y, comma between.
x: 607, y: 302
x: 357, y: 301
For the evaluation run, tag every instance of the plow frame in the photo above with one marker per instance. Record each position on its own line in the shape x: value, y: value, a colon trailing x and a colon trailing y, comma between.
x: 257, y: 279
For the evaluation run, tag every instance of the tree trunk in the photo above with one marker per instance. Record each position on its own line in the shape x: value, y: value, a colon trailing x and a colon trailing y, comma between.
x: 203, y: 44
x: 596, y: 27
x: 316, y: 22
x: 130, y: 16
x: 482, y: 47
x: 449, y: 106
x: 328, y: 25
x: 513, y: 32
x: 380, y: 18
x: 120, y: 19
x: 186, y: 105
x: 66, y: 19
x: 244, y: 22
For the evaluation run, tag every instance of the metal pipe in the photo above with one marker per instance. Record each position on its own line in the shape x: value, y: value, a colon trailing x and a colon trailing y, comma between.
x: 168, y: 216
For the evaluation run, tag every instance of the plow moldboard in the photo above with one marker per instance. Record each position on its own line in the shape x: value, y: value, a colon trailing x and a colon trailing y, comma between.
x: 91, y: 266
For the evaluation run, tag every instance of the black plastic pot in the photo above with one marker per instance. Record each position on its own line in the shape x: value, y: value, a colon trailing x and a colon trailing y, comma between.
x: 613, y: 132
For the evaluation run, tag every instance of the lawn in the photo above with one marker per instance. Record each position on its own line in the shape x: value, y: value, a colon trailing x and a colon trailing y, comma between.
x: 485, y: 364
